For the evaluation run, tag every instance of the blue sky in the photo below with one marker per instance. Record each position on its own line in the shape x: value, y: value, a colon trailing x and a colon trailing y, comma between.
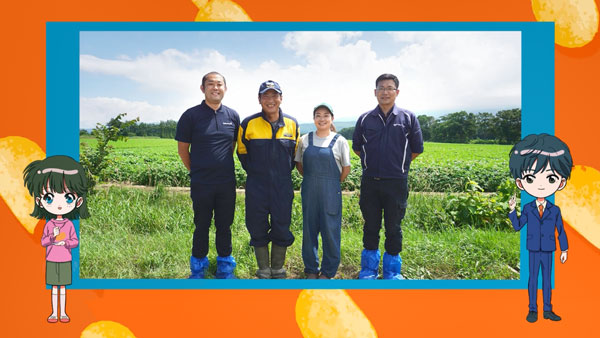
x: 156, y: 75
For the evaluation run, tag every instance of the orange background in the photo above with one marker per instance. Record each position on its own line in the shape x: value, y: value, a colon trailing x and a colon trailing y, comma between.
x: 26, y: 303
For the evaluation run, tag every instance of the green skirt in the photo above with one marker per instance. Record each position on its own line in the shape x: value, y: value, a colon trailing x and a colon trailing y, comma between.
x: 58, y: 273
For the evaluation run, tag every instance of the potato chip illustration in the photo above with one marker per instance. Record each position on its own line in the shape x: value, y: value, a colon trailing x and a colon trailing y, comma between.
x: 576, y: 21
x: 15, y: 154
x: 60, y: 237
x: 331, y: 313
x: 220, y: 10
x: 106, y: 328
x: 579, y: 202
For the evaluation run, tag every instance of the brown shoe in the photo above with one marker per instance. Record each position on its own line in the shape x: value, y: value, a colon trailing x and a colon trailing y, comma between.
x: 322, y: 276
x: 312, y: 276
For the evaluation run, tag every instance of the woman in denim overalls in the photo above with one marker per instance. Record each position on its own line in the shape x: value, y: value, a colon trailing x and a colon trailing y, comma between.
x: 323, y: 158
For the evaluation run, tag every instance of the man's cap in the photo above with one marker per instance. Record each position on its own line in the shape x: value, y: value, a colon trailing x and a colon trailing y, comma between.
x: 267, y: 85
x: 324, y: 105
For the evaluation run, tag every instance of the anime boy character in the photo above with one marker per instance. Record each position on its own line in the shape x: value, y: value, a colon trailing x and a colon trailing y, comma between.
x: 59, y: 186
x: 540, y: 165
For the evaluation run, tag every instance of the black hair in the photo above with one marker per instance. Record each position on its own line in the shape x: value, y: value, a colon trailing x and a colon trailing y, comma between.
x: 213, y: 73
x: 387, y: 76
x: 543, y: 148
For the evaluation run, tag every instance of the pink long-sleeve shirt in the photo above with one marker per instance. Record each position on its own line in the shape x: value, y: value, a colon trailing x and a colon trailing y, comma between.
x: 59, y: 253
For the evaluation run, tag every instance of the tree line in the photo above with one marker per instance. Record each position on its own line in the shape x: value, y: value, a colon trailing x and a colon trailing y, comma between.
x: 163, y: 129
x: 503, y: 127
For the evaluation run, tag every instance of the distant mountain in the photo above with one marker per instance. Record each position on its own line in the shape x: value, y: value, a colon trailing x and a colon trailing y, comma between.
x: 339, y: 125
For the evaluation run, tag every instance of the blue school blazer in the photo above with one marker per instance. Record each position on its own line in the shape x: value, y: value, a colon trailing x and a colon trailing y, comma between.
x: 541, y: 232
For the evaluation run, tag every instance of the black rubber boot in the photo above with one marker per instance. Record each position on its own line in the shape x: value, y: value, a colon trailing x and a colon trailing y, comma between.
x: 262, y: 259
x: 277, y: 260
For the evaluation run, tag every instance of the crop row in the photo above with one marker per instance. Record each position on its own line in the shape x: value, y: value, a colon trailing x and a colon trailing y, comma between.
x: 135, y: 167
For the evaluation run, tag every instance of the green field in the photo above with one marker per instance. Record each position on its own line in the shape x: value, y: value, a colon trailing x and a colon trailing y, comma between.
x: 442, y: 167
x: 147, y: 233
x: 452, y: 229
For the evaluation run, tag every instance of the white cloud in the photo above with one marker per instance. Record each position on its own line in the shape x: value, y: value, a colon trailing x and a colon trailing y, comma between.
x: 102, y: 109
x: 460, y: 70
x: 315, y: 44
x: 165, y: 71
x: 439, y: 72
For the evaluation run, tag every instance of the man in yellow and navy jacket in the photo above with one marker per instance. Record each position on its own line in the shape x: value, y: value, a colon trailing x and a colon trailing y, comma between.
x: 267, y: 143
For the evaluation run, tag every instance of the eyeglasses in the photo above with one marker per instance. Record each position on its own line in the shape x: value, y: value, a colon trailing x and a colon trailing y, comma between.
x: 386, y: 89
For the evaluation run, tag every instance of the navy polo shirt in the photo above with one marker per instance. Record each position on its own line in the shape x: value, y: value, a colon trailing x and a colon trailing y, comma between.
x: 386, y: 145
x: 211, y: 135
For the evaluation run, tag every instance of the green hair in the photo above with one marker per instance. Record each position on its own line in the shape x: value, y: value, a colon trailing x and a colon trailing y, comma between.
x: 55, y: 173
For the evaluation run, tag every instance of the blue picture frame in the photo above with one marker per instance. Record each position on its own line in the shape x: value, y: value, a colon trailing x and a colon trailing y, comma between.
x: 62, y: 113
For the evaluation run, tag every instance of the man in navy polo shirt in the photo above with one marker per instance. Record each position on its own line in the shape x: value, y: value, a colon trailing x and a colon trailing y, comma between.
x: 210, y: 128
x: 387, y: 139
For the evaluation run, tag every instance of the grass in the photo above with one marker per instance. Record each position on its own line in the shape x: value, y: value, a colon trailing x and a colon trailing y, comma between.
x: 147, y: 233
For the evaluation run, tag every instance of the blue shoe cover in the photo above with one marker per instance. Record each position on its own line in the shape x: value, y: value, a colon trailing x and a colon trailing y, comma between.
x: 392, y: 266
x: 225, y: 266
x: 369, y: 264
x: 198, y: 267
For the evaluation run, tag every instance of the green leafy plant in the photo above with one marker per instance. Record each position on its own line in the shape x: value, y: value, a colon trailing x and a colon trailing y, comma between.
x: 478, y: 210
x: 94, y: 160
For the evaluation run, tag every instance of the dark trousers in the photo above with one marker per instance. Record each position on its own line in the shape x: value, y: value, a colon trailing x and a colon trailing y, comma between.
x: 269, y: 210
x: 539, y: 259
x: 206, y: 199
x: 389, y: 196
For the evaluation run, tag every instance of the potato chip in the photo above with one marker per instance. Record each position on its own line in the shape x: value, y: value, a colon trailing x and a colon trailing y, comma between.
x: 220, y: 10
x: 331, y: 313
x: 60, y: 237
x: 579, y: 201
x: 106, y: 328
x: 576, y: 21
x: 15, y: 154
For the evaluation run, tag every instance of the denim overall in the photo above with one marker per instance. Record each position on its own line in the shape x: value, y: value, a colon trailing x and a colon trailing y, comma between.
x: 321, y: 208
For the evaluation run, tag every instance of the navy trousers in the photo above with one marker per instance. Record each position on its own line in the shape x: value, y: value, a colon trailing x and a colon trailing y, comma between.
x: 539, y: 259
x: 269, y: 210
x: 389, y: 196
x: 206, y: 200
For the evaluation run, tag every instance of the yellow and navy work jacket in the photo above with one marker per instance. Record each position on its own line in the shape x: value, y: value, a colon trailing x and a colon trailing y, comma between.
x: 266, y: 151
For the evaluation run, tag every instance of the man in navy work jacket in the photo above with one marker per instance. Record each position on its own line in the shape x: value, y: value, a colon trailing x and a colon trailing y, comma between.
x: 267, y: 144
x: 210, y: 128
x: 387, y: 139
x: 540, y: 165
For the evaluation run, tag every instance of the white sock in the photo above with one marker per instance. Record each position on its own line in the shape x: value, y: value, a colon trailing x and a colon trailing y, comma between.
x: 54, y: 300
x: 63, y: 301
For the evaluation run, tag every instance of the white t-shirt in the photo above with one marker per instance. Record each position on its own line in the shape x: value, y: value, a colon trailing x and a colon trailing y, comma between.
x: 341, y: 150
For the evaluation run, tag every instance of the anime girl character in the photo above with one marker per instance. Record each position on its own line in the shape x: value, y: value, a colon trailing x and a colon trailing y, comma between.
x: 59, y: 186
x: 540, y: 165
